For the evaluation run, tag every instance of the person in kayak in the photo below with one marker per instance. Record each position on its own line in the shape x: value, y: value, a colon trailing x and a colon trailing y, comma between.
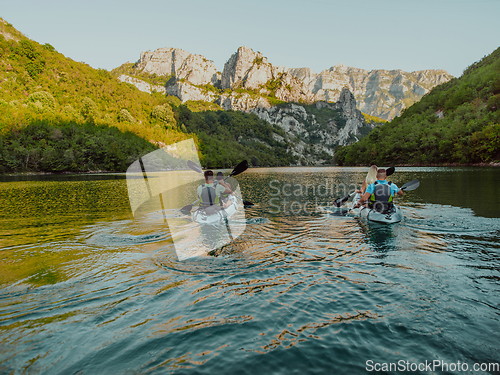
x: 219, y: 180
x: 379, y: 194
x: 210, y: 193
x: 371, y: 177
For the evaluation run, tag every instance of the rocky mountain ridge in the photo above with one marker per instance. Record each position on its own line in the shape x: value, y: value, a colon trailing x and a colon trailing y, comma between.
x: 249, y: 81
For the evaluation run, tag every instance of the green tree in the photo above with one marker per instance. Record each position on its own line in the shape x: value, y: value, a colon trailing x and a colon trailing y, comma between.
x: 164, y: 113
x: 89, y: 110
x: 125, y: 116
x: 45, y: 99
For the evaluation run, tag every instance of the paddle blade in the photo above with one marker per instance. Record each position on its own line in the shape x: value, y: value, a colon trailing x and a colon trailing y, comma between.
x: 187, y: 209
x: 341, y: 212
x: 194, y: 167
x: 412, y: 185
x: 240, y: 168
x: 340, y: 201
x: 389, y: 171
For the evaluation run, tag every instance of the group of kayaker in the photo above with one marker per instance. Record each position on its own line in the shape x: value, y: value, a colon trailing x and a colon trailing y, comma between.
x: 377, y: 190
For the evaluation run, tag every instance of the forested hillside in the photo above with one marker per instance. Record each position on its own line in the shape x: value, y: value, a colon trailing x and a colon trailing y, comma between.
x: 231, y: 136
x: 58, y: 115
x: 457, y: 122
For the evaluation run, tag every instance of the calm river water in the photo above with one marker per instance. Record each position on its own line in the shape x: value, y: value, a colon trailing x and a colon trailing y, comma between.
x: 87, y: 289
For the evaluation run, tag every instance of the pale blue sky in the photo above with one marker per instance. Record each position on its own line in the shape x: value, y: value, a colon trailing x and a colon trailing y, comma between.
x: 385, y: 34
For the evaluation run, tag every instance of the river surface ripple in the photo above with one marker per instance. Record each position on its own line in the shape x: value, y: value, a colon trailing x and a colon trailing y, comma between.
x: 87, y: 289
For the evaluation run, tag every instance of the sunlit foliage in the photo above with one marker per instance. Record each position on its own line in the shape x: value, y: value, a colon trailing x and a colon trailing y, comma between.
x: 457, y: 122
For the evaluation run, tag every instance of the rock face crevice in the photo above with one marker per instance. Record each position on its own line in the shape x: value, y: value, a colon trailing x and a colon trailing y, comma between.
x: 315, y: 130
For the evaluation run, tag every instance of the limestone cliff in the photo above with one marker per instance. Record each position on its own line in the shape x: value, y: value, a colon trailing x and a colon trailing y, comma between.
x: 316, y: 129
x: 245, y: 102
x: 249, y: 79
x: 142, y: 85
x: 381, y: 93
x: 250, y: 70
x: 185, y: 91
x: 178, y: 63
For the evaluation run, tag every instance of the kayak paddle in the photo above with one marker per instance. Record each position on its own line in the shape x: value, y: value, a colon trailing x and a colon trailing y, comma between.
x: 240, y: 168
x: 412, y: 185
x: 194, y: 167
x: 187, y: 208
x: 340, y: 201
x: 245, y: 203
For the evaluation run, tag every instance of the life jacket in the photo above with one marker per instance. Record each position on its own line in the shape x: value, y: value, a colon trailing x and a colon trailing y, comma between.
x: 208, y: 196
x: 381, y: 199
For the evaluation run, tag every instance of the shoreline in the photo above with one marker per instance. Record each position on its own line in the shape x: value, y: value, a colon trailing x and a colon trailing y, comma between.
x: 495, y: 165
x: 56, y: 173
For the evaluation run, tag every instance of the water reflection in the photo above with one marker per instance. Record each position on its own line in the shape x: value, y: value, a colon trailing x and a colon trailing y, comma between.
x: 380, y: 236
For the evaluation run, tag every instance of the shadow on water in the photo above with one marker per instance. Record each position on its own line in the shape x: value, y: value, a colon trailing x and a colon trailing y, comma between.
x: 380, y: 237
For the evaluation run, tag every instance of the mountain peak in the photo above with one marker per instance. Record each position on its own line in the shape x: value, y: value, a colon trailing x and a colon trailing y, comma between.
x: 381, y: 93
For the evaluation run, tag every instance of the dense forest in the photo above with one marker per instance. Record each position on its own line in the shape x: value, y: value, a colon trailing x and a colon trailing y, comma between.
x: 457, y: 122
x: 58, y: 115
x: 227, y: 137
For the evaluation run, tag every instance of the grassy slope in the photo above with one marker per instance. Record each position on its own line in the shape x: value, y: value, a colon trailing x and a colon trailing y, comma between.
x: 468, y: 133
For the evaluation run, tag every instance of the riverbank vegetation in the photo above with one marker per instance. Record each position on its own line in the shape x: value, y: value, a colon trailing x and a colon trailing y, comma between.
x: 457, y: 122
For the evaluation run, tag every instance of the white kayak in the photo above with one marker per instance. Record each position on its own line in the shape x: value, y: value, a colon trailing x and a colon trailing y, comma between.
x: 393, y: 216
x: 215, y: 214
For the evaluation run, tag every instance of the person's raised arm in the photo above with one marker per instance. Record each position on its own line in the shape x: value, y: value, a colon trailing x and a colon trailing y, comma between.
x: 363, y: 199
x: 363, y: 188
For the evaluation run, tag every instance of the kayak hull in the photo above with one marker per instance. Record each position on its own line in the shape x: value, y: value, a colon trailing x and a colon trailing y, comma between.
x: 219, y: 214
x: 394, y: 216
